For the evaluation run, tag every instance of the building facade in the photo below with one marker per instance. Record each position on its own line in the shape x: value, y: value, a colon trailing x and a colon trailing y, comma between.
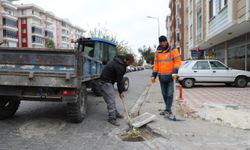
x: 176, y: 24
x: 8, y: 26
x: 36, y: 25
x: 29, y: 25
x: 219, y: 29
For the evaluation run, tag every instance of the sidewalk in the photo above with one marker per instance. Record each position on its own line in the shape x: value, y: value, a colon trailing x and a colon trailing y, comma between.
x: 192, y: 134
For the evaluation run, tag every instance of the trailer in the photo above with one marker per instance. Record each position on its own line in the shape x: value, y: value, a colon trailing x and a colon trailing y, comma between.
x: 57, y: 75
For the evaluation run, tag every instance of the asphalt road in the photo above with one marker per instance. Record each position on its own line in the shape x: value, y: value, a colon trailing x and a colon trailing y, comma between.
x: 42, y: 125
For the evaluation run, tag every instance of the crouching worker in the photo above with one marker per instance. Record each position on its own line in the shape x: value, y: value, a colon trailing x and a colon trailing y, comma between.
x: 114, y: 72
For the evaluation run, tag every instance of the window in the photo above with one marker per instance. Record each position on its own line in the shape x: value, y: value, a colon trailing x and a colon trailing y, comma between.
x: 112, y: 52
x: 199, y: 17
x: 109, y: 52
x: 23, y: 21
x: 178, y: 23
x: 191, y: 32
x: 9, y: 22
x: 88, y: 49
x: 24, y: 40
x: 211, y: 9
x: 201, y: 65
x: 237, y: 57
x: 64, y: 24
x: 24, y: 30
x: 199, y: 23
x: 9, y: 34
x: 37, y: 39
x: 177, y: 10
x: 222, y: 4
x: 248, y: 57
x: 178, y: 37
x: 225, y: 2
x: 216, y: 65
x: 49, y: 34
x: 36, y: 30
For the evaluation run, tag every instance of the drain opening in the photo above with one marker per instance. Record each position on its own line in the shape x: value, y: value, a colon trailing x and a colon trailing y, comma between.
x: 143, y: 135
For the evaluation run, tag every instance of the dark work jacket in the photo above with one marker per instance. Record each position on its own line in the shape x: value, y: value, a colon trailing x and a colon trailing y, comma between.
x: 114, y: 72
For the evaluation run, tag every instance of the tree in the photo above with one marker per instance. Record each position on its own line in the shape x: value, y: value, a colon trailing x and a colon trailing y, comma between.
x: 49, y: 43
x: 147, y: 54
x: 122, y: 46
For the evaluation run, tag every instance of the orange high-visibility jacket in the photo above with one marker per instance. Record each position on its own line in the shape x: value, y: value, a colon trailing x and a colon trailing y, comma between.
x: 166, y: 62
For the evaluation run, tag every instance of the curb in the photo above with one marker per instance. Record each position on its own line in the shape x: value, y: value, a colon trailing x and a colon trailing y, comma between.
x: 134, y: 112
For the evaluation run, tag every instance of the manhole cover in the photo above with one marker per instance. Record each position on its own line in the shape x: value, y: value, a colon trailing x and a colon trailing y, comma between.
x: 41, y: 127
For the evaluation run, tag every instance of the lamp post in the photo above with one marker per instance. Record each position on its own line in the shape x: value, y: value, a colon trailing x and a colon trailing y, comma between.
x: 158, y: 21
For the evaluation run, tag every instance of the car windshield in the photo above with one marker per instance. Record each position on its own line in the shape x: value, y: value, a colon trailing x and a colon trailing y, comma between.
x: 185, y: 64
x: 216, y: 65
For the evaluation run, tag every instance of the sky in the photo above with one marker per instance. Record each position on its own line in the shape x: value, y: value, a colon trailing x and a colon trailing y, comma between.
x: 127, y: 19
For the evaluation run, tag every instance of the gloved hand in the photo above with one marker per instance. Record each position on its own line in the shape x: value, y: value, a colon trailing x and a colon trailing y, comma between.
x: 153, y: 80
x: 174, y: 76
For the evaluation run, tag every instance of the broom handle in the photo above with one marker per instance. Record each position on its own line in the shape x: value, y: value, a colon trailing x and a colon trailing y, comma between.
x: 126, y: 110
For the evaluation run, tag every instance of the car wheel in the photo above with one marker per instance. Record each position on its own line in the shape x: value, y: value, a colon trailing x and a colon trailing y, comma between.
x: 126, y: 83
x: 188, y: 83
x: 241, y: 82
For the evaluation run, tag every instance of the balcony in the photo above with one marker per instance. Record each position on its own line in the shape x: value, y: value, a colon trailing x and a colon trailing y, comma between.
x: 10, y: 39
x: 49, y: 21
x: 49, y: 28
x: 37, y: 31
x: 10, y: 28
x: 65, y: 28
x: 6, y: 3
x: 7, y: 15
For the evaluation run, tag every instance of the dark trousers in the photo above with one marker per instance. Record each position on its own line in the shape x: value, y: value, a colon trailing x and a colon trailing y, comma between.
x: 167, y: 89
x: 108, y: 93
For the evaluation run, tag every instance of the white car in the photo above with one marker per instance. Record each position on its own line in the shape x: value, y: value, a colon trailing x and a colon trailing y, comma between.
x: 211, y: 71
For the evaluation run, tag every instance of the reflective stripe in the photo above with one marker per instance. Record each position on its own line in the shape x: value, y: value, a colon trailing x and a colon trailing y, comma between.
x: 179, y: 56
x: 164, y: 60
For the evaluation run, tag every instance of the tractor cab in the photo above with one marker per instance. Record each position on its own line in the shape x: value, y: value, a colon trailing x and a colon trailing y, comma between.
x: 97, y: 48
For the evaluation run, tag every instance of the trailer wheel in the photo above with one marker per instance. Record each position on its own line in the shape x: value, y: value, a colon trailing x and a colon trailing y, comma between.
x: 77, y: 111
x: 8, y: 107
x: 125, y: 83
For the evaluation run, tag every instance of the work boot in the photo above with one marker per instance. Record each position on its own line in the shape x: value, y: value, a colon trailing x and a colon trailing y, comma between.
x: 165, y: 113
x: 119, y: 116
x: 113, y: 122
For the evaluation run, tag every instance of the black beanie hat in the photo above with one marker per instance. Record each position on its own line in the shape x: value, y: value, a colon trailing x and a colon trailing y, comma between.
x: 162, y: 38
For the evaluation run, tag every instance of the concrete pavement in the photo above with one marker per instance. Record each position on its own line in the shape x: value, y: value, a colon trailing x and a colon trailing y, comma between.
x: 43, y: 125
x: 192, y: 134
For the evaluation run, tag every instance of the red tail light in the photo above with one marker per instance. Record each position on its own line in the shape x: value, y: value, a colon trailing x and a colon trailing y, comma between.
x: 69, y: 92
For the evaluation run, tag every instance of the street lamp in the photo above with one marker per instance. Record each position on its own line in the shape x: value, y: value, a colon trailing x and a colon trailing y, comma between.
x: 158, y: 21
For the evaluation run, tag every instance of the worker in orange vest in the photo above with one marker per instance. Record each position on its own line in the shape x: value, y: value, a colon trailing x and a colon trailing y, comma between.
x: 167, y: 62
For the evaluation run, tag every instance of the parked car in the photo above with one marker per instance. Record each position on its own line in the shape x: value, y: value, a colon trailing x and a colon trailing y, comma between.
x: 129, y: 69
x: 211, y: 71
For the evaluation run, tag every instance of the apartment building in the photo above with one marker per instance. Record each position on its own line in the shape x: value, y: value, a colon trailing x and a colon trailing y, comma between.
x: 36, y: 25
x: 219, y: 29
x: 29, y: 25
x: 8, y: 24
x: 67, y: 32
x: 228, y: 32
x: 196, y: 28
x: 175, y: 25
